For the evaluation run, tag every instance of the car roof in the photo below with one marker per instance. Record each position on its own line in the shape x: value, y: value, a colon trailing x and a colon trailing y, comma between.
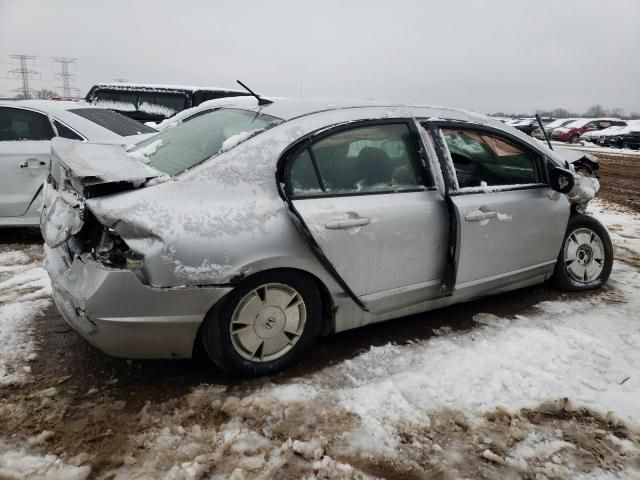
x: 290, y: 108
x: 46, y: 106
x: 165, y: 87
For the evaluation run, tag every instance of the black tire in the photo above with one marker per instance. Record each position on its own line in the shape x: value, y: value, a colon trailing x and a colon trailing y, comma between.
x: 563, y: 278
x: 575, y: 139
x: 216, y: 329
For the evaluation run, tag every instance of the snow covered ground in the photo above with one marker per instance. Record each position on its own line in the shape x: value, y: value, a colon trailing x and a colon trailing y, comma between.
x: 24, y: 293
x: 594, y: 148
x: 553, y: 391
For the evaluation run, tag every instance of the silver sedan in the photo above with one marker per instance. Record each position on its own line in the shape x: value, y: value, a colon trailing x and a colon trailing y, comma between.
x: 255, y: 226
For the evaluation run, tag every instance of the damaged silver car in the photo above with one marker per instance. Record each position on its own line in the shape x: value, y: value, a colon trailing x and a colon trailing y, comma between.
x: 255, y: 226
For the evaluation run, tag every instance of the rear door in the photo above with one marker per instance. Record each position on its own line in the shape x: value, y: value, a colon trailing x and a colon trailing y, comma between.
x: 24, y: 158
x: 509, y: 223
x: 363, y: 197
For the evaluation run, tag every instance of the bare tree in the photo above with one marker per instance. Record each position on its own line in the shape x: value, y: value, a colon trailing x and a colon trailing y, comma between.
x: 618, y: 112
x: 595, y: 111
x: 44, y: 93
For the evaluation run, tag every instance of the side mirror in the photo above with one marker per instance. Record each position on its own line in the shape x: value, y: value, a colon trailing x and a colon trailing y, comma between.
x: 561, y: 180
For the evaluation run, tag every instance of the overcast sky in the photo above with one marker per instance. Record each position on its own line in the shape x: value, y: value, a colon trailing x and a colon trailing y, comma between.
x: 493, y: 55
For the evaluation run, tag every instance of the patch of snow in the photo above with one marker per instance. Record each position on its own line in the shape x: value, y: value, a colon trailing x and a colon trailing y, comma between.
x: 21, y: 463
x: 145, y: 152
x: 236, y: 139
x: 25, y: 293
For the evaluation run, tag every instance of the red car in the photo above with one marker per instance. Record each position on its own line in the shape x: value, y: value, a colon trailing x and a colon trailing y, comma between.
x: 571, y: 132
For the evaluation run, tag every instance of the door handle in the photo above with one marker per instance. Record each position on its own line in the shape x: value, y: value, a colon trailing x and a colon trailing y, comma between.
x: 32, y: 163
x: 479, y: 215
x: 351, y: 222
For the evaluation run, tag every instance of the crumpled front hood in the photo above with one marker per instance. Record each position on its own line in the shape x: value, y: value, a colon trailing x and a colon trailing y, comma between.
x: 572, y: 156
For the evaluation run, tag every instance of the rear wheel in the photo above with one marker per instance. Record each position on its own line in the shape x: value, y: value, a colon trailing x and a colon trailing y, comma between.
x: 264, y: 325
x: 575, y: 139
x: 586, y: 257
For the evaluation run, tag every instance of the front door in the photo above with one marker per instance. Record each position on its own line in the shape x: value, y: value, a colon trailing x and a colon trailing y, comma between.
x: 509, y: 222
x: 24, y: 158
x: 361, y: 195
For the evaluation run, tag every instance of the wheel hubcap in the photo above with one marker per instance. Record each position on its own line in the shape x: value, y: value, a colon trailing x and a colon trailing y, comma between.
x: 584, y: 255
x: 268, y: 322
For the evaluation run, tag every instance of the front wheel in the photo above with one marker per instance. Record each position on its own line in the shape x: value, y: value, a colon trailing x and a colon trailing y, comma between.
x: 586, y: 256
x: 264, y: 325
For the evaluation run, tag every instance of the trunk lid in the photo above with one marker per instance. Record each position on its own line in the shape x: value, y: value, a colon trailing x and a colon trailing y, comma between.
x: 85, y: 170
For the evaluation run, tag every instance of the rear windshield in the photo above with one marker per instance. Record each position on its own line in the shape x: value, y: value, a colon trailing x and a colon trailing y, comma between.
x: 123, y: 126
x: 190, y: 143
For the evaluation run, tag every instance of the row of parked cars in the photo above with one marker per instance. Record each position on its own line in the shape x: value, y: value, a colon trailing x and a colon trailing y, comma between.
x: 251, y: 225
x: 609, y: 132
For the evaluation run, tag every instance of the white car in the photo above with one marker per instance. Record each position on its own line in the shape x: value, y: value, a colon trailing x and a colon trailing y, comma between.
x: 26, y: 128
x: 612, y: 136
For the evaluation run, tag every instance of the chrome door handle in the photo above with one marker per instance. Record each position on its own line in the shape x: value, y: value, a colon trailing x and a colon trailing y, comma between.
x: 351, y: 222
x: 479, y: 215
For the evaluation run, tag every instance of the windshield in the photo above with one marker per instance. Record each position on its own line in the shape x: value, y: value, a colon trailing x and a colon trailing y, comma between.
x: 558, y: 123
x: 117, y: 123
x: 190, y: 143
x: 581, y: 122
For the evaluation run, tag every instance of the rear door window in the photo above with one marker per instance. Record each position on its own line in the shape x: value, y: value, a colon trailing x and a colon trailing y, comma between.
x: 484, y: 159
x: 370, y: 159
x: 66, y: 132
x: 17, y: 124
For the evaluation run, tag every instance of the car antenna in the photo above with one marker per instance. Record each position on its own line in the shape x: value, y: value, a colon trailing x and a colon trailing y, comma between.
x: 261, y: 101
x: 544, y: 132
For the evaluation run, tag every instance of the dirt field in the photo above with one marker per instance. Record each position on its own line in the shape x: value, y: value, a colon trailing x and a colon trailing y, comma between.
x: 620, y: 179
x: 92, y: 404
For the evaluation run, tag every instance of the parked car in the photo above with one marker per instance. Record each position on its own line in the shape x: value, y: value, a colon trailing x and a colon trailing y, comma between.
x: 571, y: 132
x: 252, y: 228
x: 26, y: 128
x: 630, y: 138
x: 153, y: 103
x: 601, y: 137
x: 551, y: 126
x: 614, y: 136
x: 528, y: 125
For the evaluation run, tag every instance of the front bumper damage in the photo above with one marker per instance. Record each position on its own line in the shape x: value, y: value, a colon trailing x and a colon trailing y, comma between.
x: 114, y: 311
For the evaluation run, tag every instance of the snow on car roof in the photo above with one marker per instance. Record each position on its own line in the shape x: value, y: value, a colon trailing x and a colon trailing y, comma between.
x: 154, y: 86
x: 289, y: 108
x: 580, y: 122
x: 48, y: 106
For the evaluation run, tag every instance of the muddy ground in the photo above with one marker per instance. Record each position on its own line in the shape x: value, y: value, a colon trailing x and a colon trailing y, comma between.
x: 92, y: 403
x: 620, y: 179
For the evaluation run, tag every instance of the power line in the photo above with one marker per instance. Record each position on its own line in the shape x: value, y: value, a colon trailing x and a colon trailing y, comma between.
x: 65, y: 75
x: 24, y: 73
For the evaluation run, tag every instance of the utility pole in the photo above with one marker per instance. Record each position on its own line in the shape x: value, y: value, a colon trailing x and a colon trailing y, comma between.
x: 24, y: 73
x: 65, y: 75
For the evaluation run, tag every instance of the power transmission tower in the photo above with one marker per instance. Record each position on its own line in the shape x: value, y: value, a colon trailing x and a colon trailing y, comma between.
x: 65, y: 75
x: 24, y: 73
